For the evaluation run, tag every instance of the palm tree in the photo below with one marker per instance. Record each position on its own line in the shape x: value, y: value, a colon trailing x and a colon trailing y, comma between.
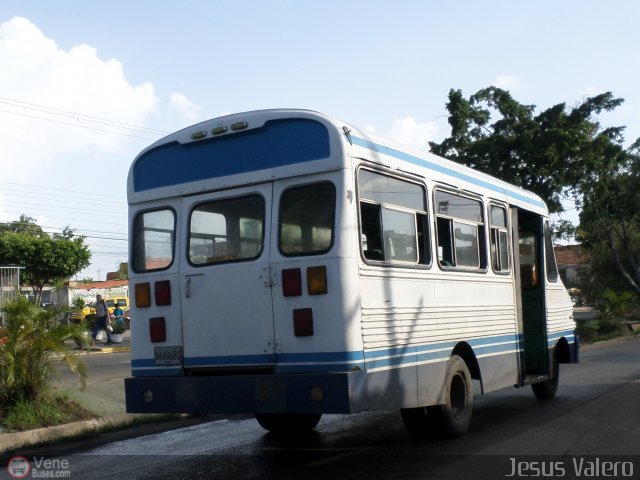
x: 32, y: 341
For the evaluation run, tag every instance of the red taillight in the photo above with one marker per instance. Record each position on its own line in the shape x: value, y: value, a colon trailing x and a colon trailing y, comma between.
x: 142, y: 295
x: 303, y: 322
x: 162, y: 292
x: 291, y: 282
x: 157, y: 330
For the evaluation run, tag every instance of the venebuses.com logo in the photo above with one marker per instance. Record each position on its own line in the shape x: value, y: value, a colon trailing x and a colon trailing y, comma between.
x: 41, y: 467
x: 18, y: 467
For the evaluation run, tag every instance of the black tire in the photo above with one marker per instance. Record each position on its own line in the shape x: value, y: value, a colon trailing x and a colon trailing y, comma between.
x: 288, y: 422
x: 417, y: 421
x: 451, y: 419
x: 547, y: 389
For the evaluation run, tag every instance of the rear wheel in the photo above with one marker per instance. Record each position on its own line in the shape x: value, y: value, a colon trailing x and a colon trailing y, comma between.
x: 288, y: 422
x: 453, y: 418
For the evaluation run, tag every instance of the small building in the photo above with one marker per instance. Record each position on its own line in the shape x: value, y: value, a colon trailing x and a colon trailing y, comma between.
x: 573, y: 264
x: 88, y: 291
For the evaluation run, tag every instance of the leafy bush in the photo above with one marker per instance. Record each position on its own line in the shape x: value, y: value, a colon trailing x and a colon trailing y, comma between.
x: 118, y: 326
x: 614, y: 308
x: 32, y: 343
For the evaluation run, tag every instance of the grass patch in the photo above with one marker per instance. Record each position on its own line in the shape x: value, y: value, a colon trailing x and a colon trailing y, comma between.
x: 51, y: 410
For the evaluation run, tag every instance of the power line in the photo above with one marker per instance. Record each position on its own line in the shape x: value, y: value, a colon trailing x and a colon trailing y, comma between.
x: 78, y: 126
x: 67, y: 113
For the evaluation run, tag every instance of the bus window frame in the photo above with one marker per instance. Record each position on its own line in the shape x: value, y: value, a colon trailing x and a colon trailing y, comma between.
x: 507, y: 228
x: 481, y: 229
x: 424, y: 250
x: 195, y: 206
x: 550, y: 255
x: 173, y: 238
x: 312, y: 253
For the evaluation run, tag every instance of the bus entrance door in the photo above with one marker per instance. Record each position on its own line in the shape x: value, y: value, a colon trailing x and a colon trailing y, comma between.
x: 227, y: 310
x: 531, y: 292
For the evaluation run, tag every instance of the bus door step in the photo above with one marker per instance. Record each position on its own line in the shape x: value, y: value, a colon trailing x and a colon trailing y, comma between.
x: 531, y: 379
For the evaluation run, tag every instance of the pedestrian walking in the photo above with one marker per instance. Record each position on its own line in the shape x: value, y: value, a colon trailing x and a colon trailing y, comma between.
x: 102, y: 319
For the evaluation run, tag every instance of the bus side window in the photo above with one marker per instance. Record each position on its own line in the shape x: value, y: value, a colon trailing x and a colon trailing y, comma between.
x: 549, y: 255
x: 371, y: 231
x: 393, y: 219
x: 460, y: 231
x: 499, y: 239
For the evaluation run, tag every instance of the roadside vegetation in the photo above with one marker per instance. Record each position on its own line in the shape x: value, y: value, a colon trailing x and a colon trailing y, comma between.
x: 33, y: 342
x: 617, y: 315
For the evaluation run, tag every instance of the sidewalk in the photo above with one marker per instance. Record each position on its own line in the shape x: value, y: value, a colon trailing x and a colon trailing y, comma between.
x: 105, y: 398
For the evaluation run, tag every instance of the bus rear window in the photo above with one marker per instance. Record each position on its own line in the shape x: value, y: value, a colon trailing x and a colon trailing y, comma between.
x: 306, y: 219
x: 227, y: 230
x: 153, y: 240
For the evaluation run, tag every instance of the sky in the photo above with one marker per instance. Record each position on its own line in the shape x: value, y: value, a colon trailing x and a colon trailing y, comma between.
x: 86, y: 85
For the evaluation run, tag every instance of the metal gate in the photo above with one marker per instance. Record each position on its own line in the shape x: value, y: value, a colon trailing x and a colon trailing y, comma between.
x: 9, y: 286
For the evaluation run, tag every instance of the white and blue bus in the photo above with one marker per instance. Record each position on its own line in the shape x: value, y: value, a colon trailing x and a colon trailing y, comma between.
x: 287, y: 265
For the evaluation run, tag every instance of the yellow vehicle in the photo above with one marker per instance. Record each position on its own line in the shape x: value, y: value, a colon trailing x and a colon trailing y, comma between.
x: 77, y: 316
x: 122, y: 302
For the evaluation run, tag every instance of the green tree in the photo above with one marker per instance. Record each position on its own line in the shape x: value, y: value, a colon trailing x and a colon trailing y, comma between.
x: 554, y: 153
x: 123, y: 271
x: 32, y: 343
x: 610, y: 226
x: 46, y: 258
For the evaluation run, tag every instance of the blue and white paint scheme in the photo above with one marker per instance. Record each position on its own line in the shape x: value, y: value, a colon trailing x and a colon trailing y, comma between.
x: 261, y: 226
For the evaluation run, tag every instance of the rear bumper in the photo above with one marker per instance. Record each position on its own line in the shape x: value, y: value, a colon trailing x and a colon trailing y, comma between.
x: 272, y: 393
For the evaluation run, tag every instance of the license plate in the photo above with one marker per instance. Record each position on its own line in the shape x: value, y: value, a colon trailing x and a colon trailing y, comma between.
x: 168, y: 355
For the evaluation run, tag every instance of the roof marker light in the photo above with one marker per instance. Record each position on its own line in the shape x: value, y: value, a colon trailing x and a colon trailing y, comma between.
x: 239, y: 126
x: 219, y: 130
x: 198, y: 135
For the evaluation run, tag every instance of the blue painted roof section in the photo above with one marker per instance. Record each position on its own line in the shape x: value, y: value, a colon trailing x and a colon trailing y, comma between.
x: 278, y: 143
x: 481, y: 182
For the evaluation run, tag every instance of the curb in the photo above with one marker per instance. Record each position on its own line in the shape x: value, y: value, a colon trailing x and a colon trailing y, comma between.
x: 30, y: 438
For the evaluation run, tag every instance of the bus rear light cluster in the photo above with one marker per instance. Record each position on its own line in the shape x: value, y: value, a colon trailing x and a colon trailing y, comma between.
x: 291, y: 282
x: 316, y: 281
x: 161, y: 294
x: 142, y: 295
x: 157, y: 330
x: 303, y: 322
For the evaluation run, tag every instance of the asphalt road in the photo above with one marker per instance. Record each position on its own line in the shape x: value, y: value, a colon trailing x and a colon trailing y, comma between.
x: 105, y: 388
x: 594, y: 419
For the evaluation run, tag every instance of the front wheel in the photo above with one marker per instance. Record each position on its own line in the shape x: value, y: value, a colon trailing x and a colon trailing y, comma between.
x: 288, y: 422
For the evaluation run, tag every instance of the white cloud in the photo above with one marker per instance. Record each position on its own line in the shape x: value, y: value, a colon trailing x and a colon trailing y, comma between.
x: 181, y: 103
x: 507, y: 82
x: 410, y: 132
x: 44, y: 89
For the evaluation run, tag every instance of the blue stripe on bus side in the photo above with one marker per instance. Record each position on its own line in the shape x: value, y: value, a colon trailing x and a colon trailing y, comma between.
x: 361, y: 142
x: 265, y: 359
x: 344, y: 361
